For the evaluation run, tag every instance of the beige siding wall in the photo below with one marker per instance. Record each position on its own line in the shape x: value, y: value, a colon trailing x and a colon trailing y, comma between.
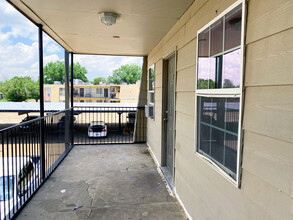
x: 154, y: 126
x: 129, y: 93
x: 266, y: 190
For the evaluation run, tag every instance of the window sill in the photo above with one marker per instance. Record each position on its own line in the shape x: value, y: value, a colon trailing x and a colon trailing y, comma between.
x: 218, y: 169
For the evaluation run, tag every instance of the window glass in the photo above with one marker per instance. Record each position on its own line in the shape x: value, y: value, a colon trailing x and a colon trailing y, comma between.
x: 88, y: 91
x: 152, y: 78
x: 203, y: 43
x: 231, y: 152
x: 206, y: 70
x: 217, y: 144
x: 232, y: 107
x: 62, y: 91
x: 216, y: 38
x: 216, y: 68
x: 233, y: 28
x: 232, y: 69
x: 47, y: 94
x: 218, y: 112
x: 151, y: 91
x: 218, y: 120
x: 205, y: 118
x: 99, y: 91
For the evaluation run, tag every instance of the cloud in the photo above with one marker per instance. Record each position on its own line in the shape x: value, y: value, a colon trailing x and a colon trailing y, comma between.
x: 15, y: 60
x: 103, y: 66
x: 19, y: 50
x: 53, y: 48
x: 18, y: 24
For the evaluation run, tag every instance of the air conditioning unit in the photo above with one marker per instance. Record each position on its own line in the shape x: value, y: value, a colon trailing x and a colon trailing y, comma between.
x: 149, y: 111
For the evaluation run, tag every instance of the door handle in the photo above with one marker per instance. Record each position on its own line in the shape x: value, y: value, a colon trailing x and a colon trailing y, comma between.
x: 165, y: 119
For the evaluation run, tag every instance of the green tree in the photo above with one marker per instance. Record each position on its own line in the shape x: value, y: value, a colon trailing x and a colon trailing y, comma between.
x: 55, y: 71
x: 98, y: 80
x: 228, y: 84
x: 206, y: 84
x: 32, y: 89
x: 125, y: 74
x: 19, y: 89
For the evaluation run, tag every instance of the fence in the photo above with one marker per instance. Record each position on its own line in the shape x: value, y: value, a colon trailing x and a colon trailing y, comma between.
x: 24, y: 163
x: 109, y: 125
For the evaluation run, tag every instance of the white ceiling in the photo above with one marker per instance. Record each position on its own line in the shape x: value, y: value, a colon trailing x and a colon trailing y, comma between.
x: 75, y: 25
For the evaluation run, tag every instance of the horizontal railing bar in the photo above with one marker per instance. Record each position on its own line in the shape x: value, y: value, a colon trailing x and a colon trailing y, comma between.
x: 32, y: 121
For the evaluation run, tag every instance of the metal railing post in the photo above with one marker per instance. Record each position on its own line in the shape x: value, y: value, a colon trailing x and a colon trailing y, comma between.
x: 41, y: 76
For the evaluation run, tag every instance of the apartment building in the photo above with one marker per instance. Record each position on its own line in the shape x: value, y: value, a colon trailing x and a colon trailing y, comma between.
x: 94, y: 93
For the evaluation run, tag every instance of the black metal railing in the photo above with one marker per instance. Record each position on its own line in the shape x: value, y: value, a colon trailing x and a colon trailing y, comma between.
x: 25, y: 162
x: 109, y: 125
x: 30, y: 151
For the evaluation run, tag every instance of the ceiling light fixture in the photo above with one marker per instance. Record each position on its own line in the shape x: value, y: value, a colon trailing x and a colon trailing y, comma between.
x: 108, y: 18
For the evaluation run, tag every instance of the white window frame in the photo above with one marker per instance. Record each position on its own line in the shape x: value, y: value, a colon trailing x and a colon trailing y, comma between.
x: 151, y: 92
x: 224, y: 92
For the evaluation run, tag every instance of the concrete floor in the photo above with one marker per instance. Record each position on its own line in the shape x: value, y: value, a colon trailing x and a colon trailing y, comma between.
x: 106, y: 182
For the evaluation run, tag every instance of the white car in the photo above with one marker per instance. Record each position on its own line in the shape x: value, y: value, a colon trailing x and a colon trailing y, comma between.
x: 97, y: 129
x: 18, y: 179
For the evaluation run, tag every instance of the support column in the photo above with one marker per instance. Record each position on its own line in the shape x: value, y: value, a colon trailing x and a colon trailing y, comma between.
x: 42, y: 125
x: 66, y: 56
x: 141, y: 122
x: 67, y: 114
x: 71, y: 79
x: 72, y: 110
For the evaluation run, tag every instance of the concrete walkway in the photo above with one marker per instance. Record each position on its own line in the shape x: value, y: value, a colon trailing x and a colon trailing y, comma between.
x: 105, y: 182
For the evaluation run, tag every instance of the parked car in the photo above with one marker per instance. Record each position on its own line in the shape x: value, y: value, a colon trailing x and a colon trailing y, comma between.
x: 61, y: 122
x: 97, y: 129
x: 20, y: 176
x: 28, y: 118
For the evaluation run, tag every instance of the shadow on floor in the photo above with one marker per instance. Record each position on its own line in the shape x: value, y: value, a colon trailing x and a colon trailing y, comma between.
x: 105, y: 182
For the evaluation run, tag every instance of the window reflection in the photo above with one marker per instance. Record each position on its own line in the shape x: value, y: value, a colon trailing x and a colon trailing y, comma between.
x: 206, y: 73
x: 233, y: 28
x: 152, y: 78
x: 203, y: 43
x: 231, y: 69
x: 217, y: 37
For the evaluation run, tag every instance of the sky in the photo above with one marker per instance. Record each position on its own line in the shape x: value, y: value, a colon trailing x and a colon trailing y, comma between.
x: 19, y: 50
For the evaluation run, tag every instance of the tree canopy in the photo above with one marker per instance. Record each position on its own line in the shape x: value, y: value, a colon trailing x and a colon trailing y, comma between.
x: 229, y: 84
x: 19, y: 89
x: 128, y: 73
x: 97, y: 80
x: 206, y: 84
x: 55, y: 71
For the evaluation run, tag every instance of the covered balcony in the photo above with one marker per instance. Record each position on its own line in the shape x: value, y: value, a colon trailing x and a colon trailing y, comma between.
x: 60, y: 165
x: 210, y: 136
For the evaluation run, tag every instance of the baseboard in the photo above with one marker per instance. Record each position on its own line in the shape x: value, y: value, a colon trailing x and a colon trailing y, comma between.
x: 172, y: 191
x: 182, y: 204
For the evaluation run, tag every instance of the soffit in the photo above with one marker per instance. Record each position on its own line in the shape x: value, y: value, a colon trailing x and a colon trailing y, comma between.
x: 75, y: 25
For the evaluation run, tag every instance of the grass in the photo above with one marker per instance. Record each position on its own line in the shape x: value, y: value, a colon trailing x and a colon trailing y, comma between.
x: 3, y: 100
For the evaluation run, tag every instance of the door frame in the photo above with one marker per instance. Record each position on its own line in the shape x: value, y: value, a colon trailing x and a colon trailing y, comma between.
x: 164, y: 107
